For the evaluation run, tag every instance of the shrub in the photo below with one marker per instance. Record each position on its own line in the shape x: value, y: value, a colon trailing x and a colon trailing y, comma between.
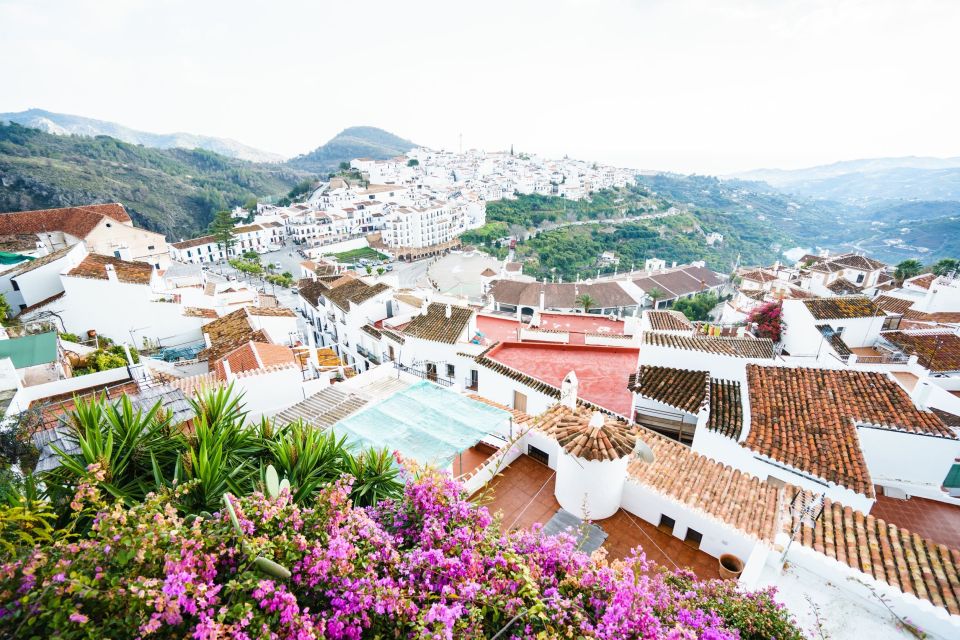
x: 768, y: 319
x: 428, y: 565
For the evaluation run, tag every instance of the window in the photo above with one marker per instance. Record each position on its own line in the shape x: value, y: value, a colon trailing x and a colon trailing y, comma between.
x: 666, y: 524
x: 116, y: 254
x: 151, y: 247
x: 538, y: 454
x: 451, y: 371
x: 16, y: 286
x: 693, y: 538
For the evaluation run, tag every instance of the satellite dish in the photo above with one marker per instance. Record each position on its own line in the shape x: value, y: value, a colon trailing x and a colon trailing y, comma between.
x: 643, y: 452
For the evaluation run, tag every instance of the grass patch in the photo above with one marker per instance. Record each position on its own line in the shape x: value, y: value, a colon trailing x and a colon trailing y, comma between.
x: 356, y: 254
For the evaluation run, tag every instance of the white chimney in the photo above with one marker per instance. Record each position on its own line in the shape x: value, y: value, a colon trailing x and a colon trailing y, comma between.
x: 922, y: 393
x: 111, y: 273
x: 448, y: 312
x: 569, y: 389
x: 596, y: 420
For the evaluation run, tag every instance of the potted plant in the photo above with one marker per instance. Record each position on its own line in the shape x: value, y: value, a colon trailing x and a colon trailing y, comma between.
x: 730, y: 566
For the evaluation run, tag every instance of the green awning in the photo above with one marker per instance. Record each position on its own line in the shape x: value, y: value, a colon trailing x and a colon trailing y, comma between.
x: 953, y: 477
x: 30, y: 350
x: 13, y: 258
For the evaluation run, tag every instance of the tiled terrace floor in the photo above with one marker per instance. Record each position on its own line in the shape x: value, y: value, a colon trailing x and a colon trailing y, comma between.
x: 472, y: 458
x: 931, y: 519
x: 523, y: 493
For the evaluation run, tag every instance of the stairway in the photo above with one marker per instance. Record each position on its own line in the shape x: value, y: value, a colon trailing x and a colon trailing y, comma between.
x: 382, y: 388
x: 323, y: 409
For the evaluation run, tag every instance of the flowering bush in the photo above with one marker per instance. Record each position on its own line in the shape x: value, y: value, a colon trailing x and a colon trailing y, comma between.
x: 768, y: 319
x: 428, y: 565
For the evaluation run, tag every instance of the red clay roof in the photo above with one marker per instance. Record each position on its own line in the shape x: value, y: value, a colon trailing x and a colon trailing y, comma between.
x: 612, y: 439
x: 680, y: 388
x: 842, y: 307
x: 668, y: 321
x: 935, y: 351
x: 902, y: 559
x: 601, y: 371
x: 95, y: 266
x: 806, y: 418
x: 252, y: 356
x: 76, y: 221
x: 894, y: 305
x: 721, y: 491
x: 923, y: 281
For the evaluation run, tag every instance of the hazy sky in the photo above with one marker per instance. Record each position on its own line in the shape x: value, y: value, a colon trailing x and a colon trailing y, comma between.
x: 709, y: 86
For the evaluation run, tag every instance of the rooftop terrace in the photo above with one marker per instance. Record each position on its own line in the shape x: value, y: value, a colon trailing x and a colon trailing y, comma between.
x: 524, y: 495
x: 601, y: 371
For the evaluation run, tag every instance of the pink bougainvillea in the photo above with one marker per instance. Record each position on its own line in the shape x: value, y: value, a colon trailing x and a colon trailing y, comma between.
x: 768, y: 320
x: 430, y: 565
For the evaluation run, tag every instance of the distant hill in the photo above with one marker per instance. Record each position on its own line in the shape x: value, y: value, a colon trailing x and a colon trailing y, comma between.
x: 65, y: 124
x: 353, y: 142
x: 174, y: 191
x: 866, y: 181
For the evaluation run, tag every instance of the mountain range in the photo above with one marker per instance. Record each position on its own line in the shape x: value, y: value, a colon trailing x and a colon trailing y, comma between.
x: 65, y: 124
x: 869, y: 180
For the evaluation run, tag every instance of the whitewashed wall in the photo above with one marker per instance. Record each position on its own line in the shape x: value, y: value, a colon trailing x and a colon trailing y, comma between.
x: 916, y: 463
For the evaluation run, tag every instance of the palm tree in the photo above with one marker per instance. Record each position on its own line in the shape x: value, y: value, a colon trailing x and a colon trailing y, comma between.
x: 654, y: 295
x: 586, y: 302
x: 907, y: 269
x: 945, y: 266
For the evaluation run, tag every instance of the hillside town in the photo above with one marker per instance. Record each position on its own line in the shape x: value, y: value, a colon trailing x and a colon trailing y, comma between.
x: 804, y: 436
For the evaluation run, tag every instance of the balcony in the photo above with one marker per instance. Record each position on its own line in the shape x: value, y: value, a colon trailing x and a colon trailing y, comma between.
x: 369, y: 355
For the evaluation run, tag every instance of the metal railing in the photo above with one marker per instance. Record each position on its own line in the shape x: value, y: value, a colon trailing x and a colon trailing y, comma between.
x: 470, y: 383
x: 423, y: 375
x: 369, y: 355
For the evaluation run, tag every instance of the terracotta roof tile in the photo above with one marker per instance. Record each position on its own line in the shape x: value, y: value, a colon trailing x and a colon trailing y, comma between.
x: 574, y: 430
x: 842, y: 307
x: 668, y: 321
x: 726, y: 408
x: 95, y: 266
x: 279, y: 312
x: 806, y: 418
x: 680, y: 388
x: 434, y: 325
x: 721, y: 491
x: 229, y: 332
x: 737, y: 347
x: 894, y: 305
x: 843, y: 287
x: 759, y: 275
x: 861, y: 263
x: 75, y: 221
x: 348, y: 289
x: 197, y: 312
x: 923, y: 281
x: 937, y: 317
x: 194, y: 242
x: 904, y: 560
x: 935, y: 351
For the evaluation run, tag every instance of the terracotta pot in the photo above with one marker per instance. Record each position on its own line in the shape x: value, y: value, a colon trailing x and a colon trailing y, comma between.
x: 730, y: 566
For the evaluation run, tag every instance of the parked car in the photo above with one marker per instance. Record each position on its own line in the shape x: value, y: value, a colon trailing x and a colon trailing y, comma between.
x: 294, y: 290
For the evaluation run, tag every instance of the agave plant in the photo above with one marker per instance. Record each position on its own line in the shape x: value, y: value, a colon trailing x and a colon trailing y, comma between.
x: 216, y: 460
x: 308, y: 457
x: 219, y: 406
x: 376, y: 477
x: 128, y: 443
